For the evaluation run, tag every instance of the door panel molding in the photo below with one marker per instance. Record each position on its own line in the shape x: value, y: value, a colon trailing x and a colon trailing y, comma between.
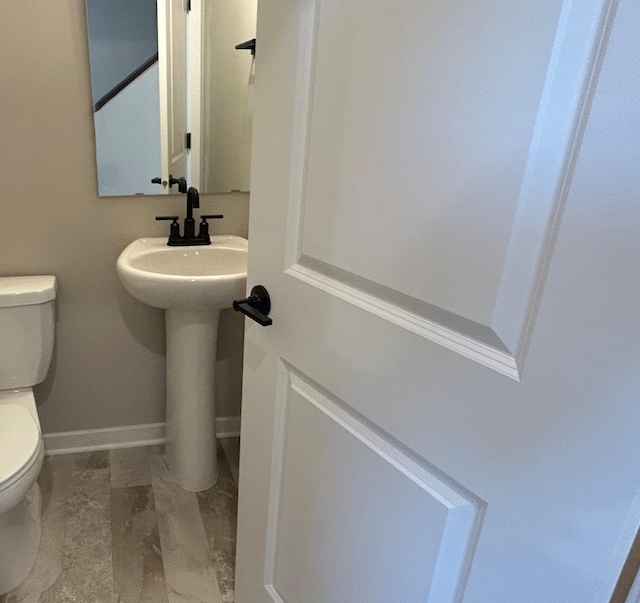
x: 579, y: 48
x: 467, y: 338
x: 579, y: 44
x: 453, y: 512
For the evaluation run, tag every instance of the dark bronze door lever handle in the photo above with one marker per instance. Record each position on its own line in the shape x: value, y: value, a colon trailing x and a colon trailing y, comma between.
x: 257, y: 306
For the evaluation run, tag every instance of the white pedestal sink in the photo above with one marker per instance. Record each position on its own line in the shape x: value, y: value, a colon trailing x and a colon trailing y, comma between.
x: 192, y: 284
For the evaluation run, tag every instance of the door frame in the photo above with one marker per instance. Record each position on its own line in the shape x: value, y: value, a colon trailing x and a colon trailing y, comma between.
x: 194, y: 92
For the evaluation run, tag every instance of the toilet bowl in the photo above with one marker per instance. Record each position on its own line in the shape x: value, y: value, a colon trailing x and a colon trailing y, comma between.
x: 26, y: 344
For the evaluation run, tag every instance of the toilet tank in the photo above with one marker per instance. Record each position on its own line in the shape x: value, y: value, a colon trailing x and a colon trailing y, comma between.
x: 27, y: 329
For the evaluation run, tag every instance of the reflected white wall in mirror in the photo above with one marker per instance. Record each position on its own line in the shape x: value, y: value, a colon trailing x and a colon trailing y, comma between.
x: 227, y: 94
x: 126, y: 74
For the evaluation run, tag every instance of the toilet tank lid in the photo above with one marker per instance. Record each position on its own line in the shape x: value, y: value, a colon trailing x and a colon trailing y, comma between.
x: 26, y: 290
x: 19, y: 439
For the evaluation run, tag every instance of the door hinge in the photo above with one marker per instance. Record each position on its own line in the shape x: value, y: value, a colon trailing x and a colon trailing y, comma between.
x: 188, y: 2
x: 187, y: 140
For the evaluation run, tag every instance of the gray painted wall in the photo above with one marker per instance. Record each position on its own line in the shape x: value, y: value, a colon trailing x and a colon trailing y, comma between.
x: 123, y: 34
x: 108, y: 367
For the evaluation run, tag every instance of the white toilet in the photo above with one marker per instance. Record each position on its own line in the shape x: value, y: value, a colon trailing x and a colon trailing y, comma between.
x: 27, y: 326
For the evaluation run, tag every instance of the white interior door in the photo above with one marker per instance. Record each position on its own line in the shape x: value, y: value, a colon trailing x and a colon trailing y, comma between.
x: 444, y: 211
x: 172, y: 67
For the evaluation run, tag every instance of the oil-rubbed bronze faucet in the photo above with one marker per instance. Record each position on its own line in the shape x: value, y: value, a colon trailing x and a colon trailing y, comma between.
x: 189, y: 237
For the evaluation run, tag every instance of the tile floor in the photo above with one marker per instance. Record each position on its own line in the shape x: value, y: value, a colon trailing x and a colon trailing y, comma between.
x: 118, y: 529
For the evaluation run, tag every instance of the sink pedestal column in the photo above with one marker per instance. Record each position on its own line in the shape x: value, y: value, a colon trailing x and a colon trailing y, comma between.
x: 190, y: 450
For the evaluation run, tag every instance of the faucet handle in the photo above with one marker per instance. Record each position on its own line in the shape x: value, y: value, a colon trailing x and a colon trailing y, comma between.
x: 174, y: 229
x: 212, y: 217
x: 203, y: 234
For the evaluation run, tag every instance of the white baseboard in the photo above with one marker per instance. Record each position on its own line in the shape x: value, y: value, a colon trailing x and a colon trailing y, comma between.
x: 228, y: 427
x: 128, y: 436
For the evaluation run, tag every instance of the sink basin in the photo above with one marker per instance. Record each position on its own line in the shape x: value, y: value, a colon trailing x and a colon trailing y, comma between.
x: 192, y: 284
x: 196, y: 276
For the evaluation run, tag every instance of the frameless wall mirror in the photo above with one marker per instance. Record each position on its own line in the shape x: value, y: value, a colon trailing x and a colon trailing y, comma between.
x: 172, y: 95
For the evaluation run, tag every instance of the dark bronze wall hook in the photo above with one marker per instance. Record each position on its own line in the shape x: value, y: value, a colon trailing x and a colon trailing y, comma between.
x: 248, y: 45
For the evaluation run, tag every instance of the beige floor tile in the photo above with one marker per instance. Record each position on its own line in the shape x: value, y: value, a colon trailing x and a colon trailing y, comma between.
x: 87, y: 573
x: 218, y: 507
x: 138, y: 571
x: 88, y: 461
x: 189, y: 570
x: 130, y: 467
x: 118, y: 529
